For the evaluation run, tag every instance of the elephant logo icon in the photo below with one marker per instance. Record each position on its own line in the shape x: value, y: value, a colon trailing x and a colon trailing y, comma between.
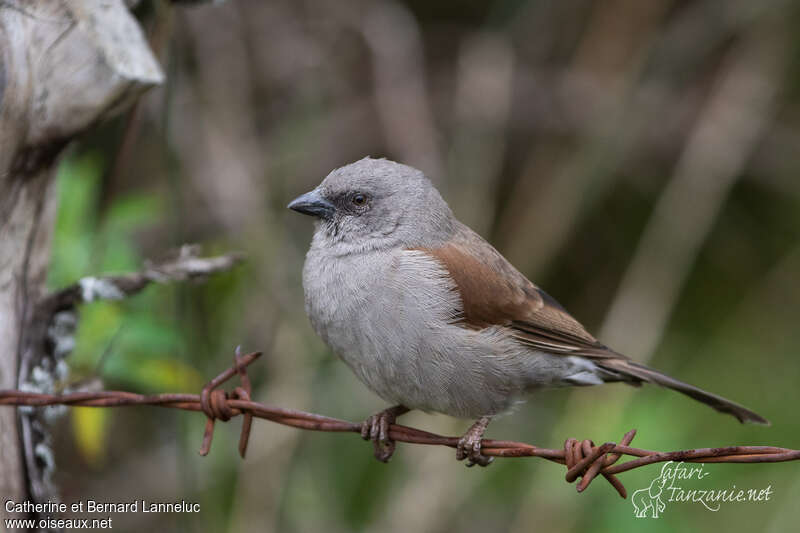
x: 650, y: 498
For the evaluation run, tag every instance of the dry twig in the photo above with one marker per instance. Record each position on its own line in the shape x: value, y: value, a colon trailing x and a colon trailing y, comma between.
x: 582, y: 458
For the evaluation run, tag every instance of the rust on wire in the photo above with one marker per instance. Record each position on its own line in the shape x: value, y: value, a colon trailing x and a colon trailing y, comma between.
x: 582, y: 459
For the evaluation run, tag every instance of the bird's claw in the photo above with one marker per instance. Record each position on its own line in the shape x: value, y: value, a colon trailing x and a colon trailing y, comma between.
x: 376, y: 429
x: 469, y: 446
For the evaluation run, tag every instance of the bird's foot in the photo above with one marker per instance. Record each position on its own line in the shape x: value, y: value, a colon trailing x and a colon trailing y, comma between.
x: 469, y: 446
x: 376, y: 429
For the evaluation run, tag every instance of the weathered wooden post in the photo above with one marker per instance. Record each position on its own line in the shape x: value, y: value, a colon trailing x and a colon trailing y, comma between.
x: 64, y: 66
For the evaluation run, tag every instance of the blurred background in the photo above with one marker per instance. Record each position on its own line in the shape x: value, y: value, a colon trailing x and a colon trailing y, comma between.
x: 638, y: 160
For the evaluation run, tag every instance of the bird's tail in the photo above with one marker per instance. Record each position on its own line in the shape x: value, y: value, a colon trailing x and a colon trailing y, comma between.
x: 631, y: 371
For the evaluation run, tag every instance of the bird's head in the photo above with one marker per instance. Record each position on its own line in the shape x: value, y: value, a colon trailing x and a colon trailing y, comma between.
x: 377, y: 203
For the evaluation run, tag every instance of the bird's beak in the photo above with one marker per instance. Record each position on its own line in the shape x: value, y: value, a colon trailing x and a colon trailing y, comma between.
x: 312, y: 203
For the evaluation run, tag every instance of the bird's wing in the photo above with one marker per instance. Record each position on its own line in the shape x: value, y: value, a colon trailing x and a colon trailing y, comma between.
x: 494, y: 293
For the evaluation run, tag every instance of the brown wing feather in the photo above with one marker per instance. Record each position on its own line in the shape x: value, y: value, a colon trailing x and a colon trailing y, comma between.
x: 493, y: 292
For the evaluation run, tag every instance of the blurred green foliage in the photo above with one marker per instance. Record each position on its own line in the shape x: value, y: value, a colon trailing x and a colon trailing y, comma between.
x: 133, y: 344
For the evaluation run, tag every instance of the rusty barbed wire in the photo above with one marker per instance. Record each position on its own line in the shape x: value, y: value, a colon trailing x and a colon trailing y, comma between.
x: 583, y: 459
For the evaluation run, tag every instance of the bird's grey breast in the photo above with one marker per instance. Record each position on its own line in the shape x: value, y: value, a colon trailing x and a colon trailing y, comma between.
x: 376, y: 310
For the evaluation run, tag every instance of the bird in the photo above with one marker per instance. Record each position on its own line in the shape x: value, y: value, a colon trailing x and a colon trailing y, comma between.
x: 431, y: 317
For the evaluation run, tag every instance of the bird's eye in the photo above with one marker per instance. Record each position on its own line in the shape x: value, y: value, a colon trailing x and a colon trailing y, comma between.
x: 359, y: 199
